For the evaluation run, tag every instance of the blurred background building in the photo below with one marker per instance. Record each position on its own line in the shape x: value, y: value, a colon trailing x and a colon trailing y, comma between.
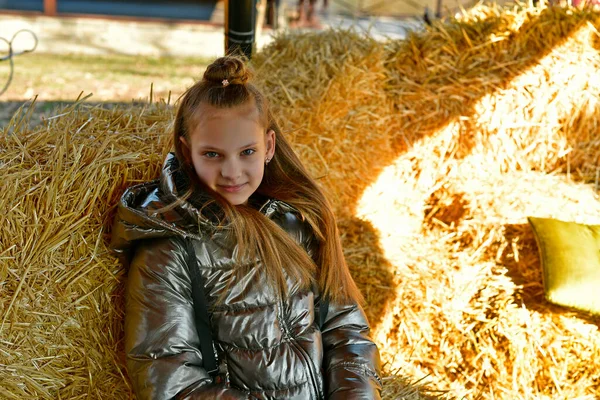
x: 211, y: 10
x: 201, y: 10
x: 194, y: 27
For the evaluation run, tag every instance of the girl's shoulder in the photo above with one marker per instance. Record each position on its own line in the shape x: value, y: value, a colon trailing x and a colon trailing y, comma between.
x: 291, y: 220
x: 272, y: 207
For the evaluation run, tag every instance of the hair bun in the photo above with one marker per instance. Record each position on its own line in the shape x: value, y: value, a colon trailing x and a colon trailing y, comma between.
x: 232, y: 68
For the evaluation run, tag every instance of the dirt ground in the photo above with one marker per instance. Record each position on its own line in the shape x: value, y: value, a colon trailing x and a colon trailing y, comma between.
x: 60, y: 79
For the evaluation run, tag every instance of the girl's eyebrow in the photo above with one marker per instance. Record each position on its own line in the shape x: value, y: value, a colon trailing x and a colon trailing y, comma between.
x: 212, y: 148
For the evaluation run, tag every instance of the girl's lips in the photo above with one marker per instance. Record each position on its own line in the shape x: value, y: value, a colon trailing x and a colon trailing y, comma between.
x: 231, y: 189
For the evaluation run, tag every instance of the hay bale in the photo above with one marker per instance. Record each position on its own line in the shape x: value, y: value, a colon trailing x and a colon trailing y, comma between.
x: 61, y: 293
x: 433, y: 150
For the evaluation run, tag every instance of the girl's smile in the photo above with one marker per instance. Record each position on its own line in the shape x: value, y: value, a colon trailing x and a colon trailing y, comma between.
x: 231, y: 189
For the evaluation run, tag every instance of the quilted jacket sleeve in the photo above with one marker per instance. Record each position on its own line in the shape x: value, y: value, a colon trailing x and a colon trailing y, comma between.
x: 161, y: 341
x: 351, y: 364
x: 351, y: 359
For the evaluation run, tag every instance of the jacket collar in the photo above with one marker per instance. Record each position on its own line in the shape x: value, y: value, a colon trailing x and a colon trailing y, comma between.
x: 137, y: 217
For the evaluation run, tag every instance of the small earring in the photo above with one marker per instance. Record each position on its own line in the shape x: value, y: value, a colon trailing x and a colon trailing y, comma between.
x: 267, y: 161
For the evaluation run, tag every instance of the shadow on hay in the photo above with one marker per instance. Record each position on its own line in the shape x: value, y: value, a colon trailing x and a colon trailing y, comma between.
x: 452, y: 95
x: 449, y: 208
x: 525, y: 271
x: 370, y: 257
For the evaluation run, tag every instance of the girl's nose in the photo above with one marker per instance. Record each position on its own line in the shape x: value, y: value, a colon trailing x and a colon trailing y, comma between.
x: 231, y: 170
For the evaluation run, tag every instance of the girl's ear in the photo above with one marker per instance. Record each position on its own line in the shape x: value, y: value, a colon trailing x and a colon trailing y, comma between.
x: 271, y: 139
x: 187, y: 151
x: 182, y: 139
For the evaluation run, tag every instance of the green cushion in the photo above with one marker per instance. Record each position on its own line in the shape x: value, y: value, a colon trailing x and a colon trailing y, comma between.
x: 570, y: 256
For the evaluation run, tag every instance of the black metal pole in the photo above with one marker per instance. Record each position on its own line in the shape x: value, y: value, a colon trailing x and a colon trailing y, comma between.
x: 240, y: 21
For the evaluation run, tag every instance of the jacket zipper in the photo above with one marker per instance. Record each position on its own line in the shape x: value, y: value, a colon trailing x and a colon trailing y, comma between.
x: 313, y: 378
x: 303, y: 354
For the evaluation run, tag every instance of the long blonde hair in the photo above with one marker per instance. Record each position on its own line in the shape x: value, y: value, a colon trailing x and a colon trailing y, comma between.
x: 285, y: 179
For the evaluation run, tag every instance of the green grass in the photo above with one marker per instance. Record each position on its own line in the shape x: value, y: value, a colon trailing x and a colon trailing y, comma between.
x: 110, y: 78
x: 56, y: 79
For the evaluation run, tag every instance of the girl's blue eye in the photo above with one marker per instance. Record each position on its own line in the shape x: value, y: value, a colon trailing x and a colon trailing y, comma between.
x: 211, y: 154
x: 248, y: 152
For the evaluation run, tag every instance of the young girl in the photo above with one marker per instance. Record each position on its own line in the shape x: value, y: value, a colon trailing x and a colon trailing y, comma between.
x: 237, y: 286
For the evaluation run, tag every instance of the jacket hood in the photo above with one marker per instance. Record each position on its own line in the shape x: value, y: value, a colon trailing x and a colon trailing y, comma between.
x: 137, y: 219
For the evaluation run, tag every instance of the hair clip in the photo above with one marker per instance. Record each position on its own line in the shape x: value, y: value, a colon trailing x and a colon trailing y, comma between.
x: 225, y: 83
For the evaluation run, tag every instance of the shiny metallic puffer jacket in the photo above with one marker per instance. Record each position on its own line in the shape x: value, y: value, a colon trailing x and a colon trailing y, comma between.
x: 267, y: 346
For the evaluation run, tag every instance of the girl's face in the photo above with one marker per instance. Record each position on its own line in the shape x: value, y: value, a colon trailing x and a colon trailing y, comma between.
x: 228, y: 149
